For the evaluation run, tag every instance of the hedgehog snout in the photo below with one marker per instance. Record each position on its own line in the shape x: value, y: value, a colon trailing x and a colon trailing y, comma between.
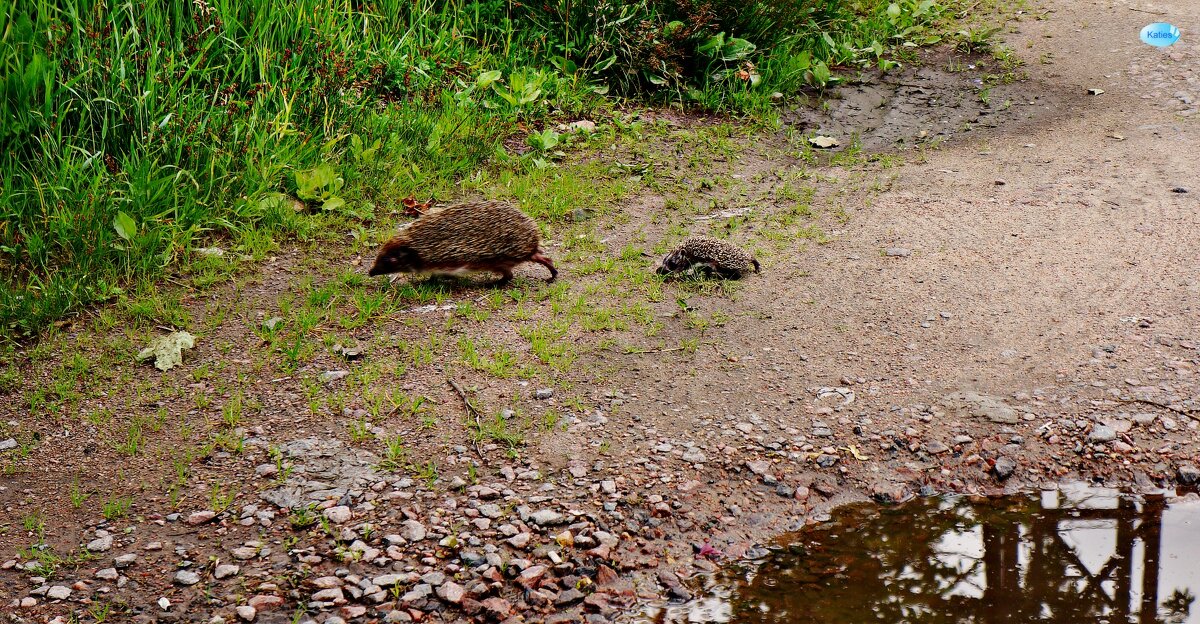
x: 392, y: 259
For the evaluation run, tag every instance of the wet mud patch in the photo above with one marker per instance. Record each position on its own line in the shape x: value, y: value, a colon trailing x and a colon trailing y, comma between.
x: 1074, y: 554
x: 947, y: 94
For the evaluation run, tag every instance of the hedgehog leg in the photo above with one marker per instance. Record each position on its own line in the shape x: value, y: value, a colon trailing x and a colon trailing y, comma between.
x: 506, y: 276
x: 541, y: 259
x: 725, y: 272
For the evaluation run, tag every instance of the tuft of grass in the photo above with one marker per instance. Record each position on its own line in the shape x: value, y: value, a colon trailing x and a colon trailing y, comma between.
x: 117, y: 507
x: 395, y: 454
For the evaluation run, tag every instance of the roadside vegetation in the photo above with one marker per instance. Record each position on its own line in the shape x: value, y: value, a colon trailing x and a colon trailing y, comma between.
x: 180, y: 141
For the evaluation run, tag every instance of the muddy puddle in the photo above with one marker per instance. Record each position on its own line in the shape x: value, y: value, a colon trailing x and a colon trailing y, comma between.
x: 945, y: 95
x: 1073, y: 555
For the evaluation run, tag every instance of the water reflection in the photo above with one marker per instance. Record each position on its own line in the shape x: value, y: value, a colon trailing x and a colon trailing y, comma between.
x: 1073, y: 555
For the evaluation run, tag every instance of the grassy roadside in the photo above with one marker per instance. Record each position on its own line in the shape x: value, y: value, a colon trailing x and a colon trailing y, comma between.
x: 137, y: 139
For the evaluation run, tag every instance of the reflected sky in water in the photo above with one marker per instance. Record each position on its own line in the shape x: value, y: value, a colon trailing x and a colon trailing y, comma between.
x: 1071, y: 555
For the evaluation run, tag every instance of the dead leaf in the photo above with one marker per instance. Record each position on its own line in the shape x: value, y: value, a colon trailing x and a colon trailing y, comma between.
x: 855, y: 452
x: 414, y: 208
x: 167, y: 351
x: 823, y: 142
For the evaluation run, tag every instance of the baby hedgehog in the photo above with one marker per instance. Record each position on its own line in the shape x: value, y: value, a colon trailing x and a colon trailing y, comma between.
x: 474, y: 236
x: 710, y: 256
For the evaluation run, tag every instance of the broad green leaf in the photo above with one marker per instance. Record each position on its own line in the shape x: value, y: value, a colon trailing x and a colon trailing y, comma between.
x: 528, y: 97
x: 317, y: 182
x: 893, y: 10
x: 737, y: 49
x: 713, y: 45
x: 125, y: 226
x: 486, y: 79
x: 333, y: 203
x: 605, y: 64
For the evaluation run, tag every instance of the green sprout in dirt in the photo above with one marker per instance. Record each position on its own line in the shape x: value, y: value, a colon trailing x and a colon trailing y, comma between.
x: 395, y: 454
x: 303, y: 517
x: 117, y: 507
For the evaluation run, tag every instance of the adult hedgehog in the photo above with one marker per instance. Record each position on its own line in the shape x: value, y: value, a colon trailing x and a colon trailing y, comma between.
x: 474, y: 236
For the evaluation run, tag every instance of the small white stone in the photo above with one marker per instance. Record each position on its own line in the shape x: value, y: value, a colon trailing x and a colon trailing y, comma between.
x: 100, y: 544
x: 338, y: 515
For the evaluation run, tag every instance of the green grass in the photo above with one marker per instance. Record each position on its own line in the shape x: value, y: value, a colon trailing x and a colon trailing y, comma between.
x: 136, y: 139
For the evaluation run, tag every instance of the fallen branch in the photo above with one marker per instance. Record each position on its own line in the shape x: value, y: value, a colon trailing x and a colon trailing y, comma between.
x: 472, y: 412
x: 1177, y: 410
x: 653, y: 351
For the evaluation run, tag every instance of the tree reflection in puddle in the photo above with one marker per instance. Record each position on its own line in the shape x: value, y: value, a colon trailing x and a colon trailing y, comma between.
x: 1073, y: 555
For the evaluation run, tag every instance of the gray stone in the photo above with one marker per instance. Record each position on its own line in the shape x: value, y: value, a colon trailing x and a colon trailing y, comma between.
x: 1189, y: 474
x: 329, y: 377
x: 434, y: 578
x: 386, y: 581
x: 10, y: 443
x: 107, y: 574
x: 412, y: 531
x: 200, y: 517
x: 520, y: 540
x: 543, y: 393
x: 694, y: 456
x: 472, y: 558
x: 100, y: 544
x: 58, y: 592
x: 186, y: 577
x: 226, y: 570
x: 419, y: 591
x: 451, y: 592
x: 333, y: 594
x: 1004, y: 467
x: 1102, y: 433
x: 242, y: 553
x: 338, y: 514
x: 547, y: 517
x: 897, y: 252
x: 936, y: 448
x: 983, y: 406
x: 124, y: 561
x: 568, y: 597
x: 247, y: 613
x: 759, y: 466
